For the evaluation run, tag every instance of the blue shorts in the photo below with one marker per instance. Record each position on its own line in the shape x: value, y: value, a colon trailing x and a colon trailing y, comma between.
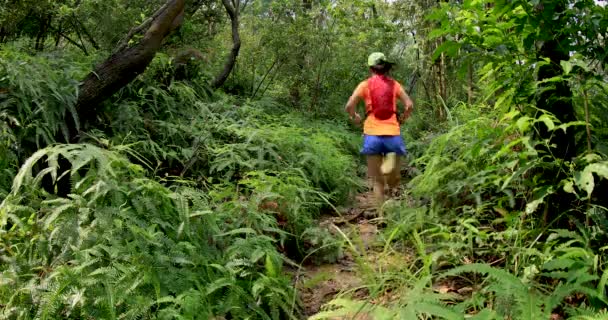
x: 380, y: 145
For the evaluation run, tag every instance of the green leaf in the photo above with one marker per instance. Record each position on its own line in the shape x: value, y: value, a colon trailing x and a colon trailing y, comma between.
x: 569, y: 187
x: 566, y: 65
x: 350, y: 309
x: 485, y: 314
x: 523, y: 123
x: 533, y: 205
x: 438, y: 310
x: 548, y: 121
x: 565, y: 126
x: 218, y: 284
x: 558, y: 264
x: 601, y: 169
x: 449, y: 47
x: 271, y: 269
x: 436, y: 33
x: 584, y: 180
x: 552, y: 79
x: 257, y: 288
x: 238, y: 231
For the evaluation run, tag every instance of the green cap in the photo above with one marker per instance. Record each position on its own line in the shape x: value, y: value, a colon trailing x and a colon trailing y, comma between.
x: 377, y: 58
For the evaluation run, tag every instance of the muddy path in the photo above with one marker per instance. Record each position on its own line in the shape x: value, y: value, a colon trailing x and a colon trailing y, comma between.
x: 319, y: 284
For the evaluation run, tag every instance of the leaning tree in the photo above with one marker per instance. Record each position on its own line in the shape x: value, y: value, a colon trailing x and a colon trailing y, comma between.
x: 131, y: 58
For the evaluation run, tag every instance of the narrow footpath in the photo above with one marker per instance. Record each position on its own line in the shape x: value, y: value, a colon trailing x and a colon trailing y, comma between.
x: 363, y: 256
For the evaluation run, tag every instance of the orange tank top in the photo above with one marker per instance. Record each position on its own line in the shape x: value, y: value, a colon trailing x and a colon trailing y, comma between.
x: 373, y: 126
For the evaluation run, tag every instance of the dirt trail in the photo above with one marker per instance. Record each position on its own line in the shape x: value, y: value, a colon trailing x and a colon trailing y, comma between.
x: 318, y: 285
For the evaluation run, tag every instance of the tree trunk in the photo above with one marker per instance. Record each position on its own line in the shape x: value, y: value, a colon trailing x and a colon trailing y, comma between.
x: 113, y: 74
x: 438, y: 84
x: 82, y: 46
x: 470, y: 83
x: 232, y: 8
x: 556, y: 98
x: 3, y: 35
x: 58, y: 35
x: 125, y: 63
x: 45, y: 23
x: 443, y: 85
x: 264, y: 77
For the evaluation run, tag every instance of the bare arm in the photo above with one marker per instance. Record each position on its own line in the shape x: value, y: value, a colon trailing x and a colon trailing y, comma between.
x: 350, y: 108
x: 407, y: 103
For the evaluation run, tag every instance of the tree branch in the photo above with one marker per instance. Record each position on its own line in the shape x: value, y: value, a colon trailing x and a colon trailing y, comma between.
x: 126, y: 62
x: 77, y: 30
x: 193, y: 6
x: 139, y: 29
x: 87, y: 34
x: 264, y: 77
x: 70, y: 40
x: 233, y: 13
x: 244, y: 5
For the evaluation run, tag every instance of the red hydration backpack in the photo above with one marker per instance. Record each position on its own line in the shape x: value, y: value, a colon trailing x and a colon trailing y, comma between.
x: 382, y: 93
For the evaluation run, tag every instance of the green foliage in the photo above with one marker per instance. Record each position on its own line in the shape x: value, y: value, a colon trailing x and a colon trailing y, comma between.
x: 417, y: 303
x: 589, y: 315
x: 313, y: 55
x: 182, y: 127
x: 88, y: 24
x: 9, y: 162
x: 556, y: 272
x: 241, y: 192
x: 525, y: 299
x: 187, y: 203
x: 512, y: 76
x: 475, y: 164
x: 122, y: 245
x: 37, y: 93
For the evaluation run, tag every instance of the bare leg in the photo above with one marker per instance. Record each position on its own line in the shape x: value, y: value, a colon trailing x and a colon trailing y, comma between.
x: 376, y: 177
x: 393, y: 178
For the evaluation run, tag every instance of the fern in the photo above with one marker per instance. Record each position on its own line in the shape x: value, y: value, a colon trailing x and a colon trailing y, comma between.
x: 41, y: 92
x: 165, y: 201
x: 121, y: 242
x: 525, y: 301
x: 588, y: 314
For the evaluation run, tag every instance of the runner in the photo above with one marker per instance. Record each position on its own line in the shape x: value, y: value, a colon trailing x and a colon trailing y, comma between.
x: 382, y: 142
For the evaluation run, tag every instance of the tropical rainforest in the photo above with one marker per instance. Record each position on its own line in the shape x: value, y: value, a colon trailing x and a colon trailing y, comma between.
x: 191, y: 159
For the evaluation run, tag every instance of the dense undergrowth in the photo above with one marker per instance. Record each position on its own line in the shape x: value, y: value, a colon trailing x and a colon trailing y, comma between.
x: 191, y: 203
x: 473, y: 234
x: 187, y: 203
x: 186, y: 207
x: 504, y: 216
x: 476, y: 231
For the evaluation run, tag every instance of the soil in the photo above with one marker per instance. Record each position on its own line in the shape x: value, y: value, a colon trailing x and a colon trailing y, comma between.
x: 319, y: 284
